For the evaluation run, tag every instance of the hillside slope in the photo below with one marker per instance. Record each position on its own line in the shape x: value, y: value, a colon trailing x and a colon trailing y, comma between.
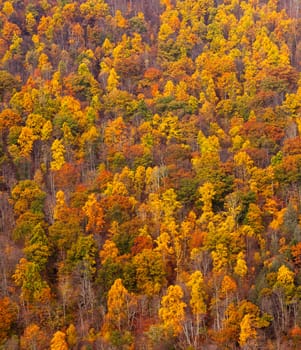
x: 150, y: 174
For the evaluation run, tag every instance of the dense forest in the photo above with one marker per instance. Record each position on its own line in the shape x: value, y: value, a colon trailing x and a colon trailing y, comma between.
x: 150, y: 174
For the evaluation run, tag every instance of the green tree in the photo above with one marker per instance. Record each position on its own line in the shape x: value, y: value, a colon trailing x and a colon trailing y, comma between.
x: 37, y: 249
x: 33, y: 288
x: 150, y: 274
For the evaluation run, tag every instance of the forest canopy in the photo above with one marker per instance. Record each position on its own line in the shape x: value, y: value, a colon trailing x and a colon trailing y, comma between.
x: 150, y: 174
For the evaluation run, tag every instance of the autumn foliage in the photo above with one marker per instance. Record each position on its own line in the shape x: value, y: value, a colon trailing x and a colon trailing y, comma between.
x: 150, y: 174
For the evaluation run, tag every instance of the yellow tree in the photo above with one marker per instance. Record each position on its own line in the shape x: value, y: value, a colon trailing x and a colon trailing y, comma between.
x: 197, y: 302
x: 115, y: 135
x: 228, y: 288
x: 107, y: 47
x: 94, y: 8
x: 241, y: 268
x: 186, y: 234
x: 58, y: 151
x: 119, y: 316
x: 109, y: 251
x: 285, y: 290
x: 71, y: 335
x: 220, y: 257
x: 169, y: 88
x: 113, y: 80
x: 243, y: 166
x: 26, y: 140
x: 207, y: 193
x: 208, y: 164
x: 197, y: 292
x: 119, y: 20
x: 30, y: 22
x: 164, y: 245
x: 172, y: 312
x: 87, y: 142
x: 45, y: 66
x: 170, y: 203
x: 36, y: 123
x: 94, y: 213
x: 8, y: 8
x: 60, y: 206
x: 46, y: 130
x: 58, y: 342
x: 248, y: 332
x: 139, y: 181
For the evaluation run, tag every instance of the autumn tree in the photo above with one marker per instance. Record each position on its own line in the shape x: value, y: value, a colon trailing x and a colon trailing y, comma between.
x: 71, y: 335
x: 172, y: 312
x: 94, y: 213
x: 150, y: 275
x: 198, y: 306
x: 33, y: 288
x: 120, y: 314
x: 37, y: 248
x: 33, y: 337
x: 8, y: 313
x: 58, y: 341
x: 28, y: 202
